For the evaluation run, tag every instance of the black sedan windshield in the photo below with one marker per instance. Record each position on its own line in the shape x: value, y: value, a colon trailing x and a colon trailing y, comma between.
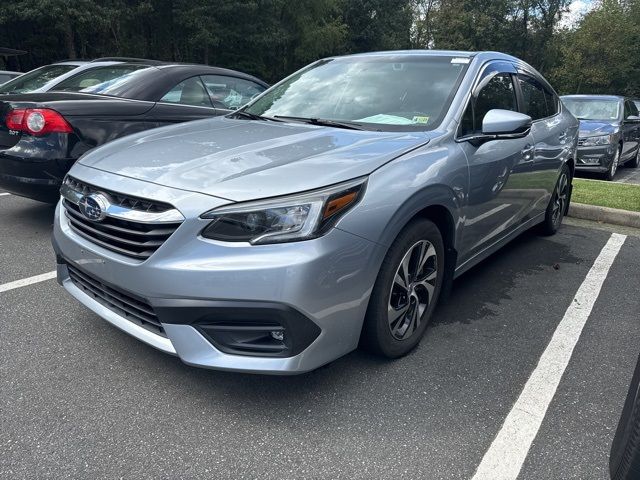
x: 593, y: 108
x: 380, y: 92
x: 111, y: 80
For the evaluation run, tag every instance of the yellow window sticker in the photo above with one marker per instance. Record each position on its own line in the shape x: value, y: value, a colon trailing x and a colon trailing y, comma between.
x: 420, y: 119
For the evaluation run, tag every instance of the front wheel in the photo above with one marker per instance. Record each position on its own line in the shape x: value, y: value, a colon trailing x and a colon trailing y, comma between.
x: 613, y: 168
x: 559, y: 203
x: 406, y: 291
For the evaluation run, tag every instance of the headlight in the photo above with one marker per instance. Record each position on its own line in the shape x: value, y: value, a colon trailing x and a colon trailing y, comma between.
x: 287, y: 219
x: 595, y: 141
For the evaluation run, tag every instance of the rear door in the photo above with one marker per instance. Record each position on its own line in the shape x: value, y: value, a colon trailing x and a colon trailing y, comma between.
x: 499, y: 197
x: 551, y: 139
x: 185, y: 101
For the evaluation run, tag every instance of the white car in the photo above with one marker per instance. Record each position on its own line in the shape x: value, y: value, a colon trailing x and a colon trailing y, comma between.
x: 44, y: 79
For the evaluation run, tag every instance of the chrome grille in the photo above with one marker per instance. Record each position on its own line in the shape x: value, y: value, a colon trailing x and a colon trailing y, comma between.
x: 124, y: 304
x: 133, y: 226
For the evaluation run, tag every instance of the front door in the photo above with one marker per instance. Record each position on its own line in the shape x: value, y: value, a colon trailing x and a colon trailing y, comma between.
x: 498, y: 196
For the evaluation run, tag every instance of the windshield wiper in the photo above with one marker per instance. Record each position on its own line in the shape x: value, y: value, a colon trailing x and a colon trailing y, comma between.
x: 251, y: 116
x: 323, y: 122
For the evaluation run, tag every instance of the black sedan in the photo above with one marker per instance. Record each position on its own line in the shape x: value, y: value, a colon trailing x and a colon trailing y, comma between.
x: 43, y: 134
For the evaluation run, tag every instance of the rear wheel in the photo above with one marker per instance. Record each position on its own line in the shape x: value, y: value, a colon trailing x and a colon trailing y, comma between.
x: 636, y: 161
x: 559, y: 203
x: 406, y: 291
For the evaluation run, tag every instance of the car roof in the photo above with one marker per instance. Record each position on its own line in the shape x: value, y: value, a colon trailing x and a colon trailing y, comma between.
x: 594, y: 97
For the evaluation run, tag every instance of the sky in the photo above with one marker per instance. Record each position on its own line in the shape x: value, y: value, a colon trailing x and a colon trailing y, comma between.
x: 577, y: 9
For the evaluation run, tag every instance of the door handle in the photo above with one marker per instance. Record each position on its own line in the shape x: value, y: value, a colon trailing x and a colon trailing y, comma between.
x: 528, y: 153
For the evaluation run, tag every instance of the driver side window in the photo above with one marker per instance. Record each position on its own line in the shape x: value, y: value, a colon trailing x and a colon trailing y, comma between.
x: 498, y: 93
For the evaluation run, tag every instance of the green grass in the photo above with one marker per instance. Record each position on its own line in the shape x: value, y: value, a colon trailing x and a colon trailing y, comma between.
x: 606, y: 194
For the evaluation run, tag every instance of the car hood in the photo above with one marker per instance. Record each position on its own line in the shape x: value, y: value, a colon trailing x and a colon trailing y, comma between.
x: 590, y: 128
x: 250, y: 159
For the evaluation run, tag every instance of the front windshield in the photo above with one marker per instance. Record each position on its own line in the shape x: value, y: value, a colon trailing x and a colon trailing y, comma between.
x: 105, y: 80
x: 593, y: 108
x: 380, y: 92
x: 35, y: 78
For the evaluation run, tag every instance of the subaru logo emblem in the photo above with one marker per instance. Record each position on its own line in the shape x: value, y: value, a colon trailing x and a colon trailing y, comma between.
x: 94, y: 207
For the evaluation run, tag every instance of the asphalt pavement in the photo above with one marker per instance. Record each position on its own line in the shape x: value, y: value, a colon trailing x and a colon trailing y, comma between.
x: 80, y: 399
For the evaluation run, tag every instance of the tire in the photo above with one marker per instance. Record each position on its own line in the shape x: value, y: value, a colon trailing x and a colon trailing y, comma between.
x: 624, y: 461
x: 636, y: 161
x: 613, y: 168
x: 405, y: 295
x: 559, y: 202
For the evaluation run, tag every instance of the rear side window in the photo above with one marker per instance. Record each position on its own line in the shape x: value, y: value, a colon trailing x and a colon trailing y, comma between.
x: 498, y: 93
x: 100, y: 79
x: 538, y: 102
x: 188, y: 92
x: 230, y: 92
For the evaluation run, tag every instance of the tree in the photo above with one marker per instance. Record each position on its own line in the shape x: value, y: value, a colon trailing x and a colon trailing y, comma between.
x: 602, y: 55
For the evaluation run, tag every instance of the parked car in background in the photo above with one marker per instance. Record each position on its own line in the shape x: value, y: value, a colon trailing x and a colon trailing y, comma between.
x: 6, y: 75
x: 609, y: 132
x: 636, y: 102
x: 46, y: 78
x: 624, y: 461
x: 331, y: 210
x: 43, y: 134
x: 40, y: 78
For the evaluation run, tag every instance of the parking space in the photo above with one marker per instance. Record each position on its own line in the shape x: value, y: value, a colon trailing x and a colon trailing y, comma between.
x: 628, y: 175
x: 83, y: 400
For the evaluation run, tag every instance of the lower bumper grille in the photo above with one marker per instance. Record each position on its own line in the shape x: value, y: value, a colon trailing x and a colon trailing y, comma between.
x: 124, y: 304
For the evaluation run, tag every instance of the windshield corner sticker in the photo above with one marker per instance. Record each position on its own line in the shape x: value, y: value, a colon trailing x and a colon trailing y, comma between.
x: 420, y: 119
x: 460, y: 60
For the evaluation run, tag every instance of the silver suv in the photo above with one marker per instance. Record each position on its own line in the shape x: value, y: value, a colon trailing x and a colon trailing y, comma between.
x: 331, y: 211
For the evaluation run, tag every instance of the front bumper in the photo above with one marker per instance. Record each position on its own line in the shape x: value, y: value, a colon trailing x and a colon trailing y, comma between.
x: 317, y: 289
x: 595, y: 159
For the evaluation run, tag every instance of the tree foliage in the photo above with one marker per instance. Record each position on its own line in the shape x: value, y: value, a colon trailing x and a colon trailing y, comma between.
x: 272, y: 38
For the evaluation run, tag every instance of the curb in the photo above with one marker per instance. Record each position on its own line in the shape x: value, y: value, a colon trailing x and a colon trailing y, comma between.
x: 604, y: 215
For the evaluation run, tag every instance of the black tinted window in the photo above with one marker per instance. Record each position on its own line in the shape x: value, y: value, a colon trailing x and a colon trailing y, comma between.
x: 538, y: 102
x: 630, y: 109
x: 499, y: 93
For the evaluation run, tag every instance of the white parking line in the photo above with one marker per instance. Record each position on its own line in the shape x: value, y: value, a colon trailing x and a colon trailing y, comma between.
x: 509, y: 449
x: 5, y: 287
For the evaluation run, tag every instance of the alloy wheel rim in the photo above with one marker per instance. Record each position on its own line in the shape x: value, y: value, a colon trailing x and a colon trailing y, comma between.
x: 614, y: 164
x: 560, y: 198
x: 412, y: 289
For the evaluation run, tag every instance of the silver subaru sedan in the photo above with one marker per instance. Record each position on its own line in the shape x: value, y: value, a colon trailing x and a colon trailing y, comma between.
x: 332, y: 211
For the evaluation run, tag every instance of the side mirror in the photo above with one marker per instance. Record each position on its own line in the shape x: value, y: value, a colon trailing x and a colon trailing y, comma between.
x: 505, y: 123
x: 633, y: 119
